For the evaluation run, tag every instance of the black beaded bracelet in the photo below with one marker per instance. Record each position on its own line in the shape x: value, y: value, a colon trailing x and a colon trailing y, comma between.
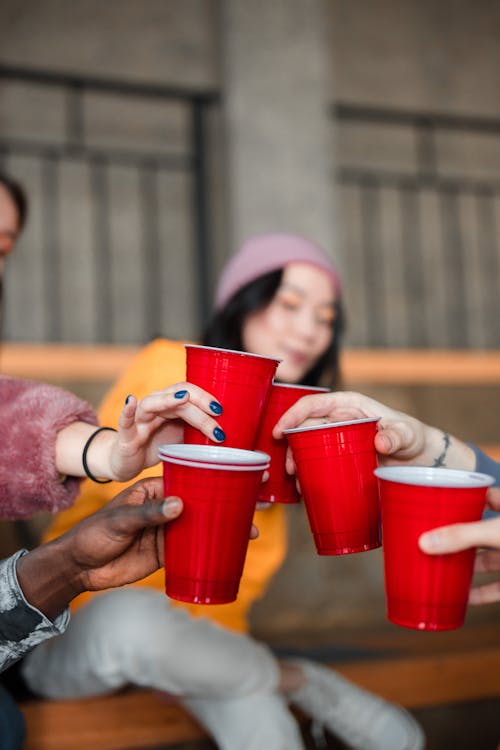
x: 84, y: 456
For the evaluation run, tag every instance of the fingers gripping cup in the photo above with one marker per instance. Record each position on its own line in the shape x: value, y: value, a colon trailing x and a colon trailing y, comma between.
x: 241, y: 382
x: 427, y: 592
x: 280, y: 486
x: 335, y: 464
x: 205, y: 547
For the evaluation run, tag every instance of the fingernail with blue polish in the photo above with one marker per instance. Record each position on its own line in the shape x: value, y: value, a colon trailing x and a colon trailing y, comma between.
x: 128, y: 399
x: 180, y: 394
x: 216, y: 407
x: 219, y: 434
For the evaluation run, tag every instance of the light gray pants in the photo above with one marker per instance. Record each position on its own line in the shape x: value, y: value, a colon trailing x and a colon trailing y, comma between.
x: 134, y: 636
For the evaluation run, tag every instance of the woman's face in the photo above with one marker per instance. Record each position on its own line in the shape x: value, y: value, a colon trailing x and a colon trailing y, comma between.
x: 9, y: 225
x: 297, y: 325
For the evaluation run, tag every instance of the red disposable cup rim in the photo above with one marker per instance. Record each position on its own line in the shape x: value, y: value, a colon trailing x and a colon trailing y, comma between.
x: 214, y: 457
x: 231, y: 351
x: 329, y: 425
x: 431, y: 476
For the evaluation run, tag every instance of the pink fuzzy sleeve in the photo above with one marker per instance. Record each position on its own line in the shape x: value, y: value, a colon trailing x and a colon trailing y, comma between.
x: 31, y: 415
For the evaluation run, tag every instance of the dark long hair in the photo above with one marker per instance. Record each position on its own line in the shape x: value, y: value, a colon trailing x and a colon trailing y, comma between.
x: 226, y: 327
x: 18, y: 197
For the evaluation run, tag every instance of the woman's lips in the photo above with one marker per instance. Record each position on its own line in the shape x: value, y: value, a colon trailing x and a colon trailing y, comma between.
x: 298, y: 358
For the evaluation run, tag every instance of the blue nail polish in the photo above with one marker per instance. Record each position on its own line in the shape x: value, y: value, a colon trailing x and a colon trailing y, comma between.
x: 180, y: 394
x: 128, y: 399
x: 219, y: 434
x: 216, y: 407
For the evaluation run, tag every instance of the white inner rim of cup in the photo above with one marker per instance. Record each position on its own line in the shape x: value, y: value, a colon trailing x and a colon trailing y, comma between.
x: 208, y: 454
x: 311, y: 427
x: 317, y: 388
x: 427, y: 476
x: 231, y: 351
x: 220, y: 467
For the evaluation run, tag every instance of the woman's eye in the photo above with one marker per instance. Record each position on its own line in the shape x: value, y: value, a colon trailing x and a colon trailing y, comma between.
x: 327, y: 319
x: 289, y: 303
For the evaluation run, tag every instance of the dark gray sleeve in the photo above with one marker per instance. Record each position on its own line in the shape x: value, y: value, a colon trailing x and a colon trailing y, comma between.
x: 486, y: 465
x: 22, y: 627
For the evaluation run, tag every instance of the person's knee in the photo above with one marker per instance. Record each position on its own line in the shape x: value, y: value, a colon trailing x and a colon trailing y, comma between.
x: 258, y: 720
x: 129, y: 616
x: 135, y: 628
x: 159, y: 645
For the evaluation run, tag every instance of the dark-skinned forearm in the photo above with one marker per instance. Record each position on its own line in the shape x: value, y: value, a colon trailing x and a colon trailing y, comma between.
x: 47, y: 579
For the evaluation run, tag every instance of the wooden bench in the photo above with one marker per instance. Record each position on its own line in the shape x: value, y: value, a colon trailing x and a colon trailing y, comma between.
x: 142, y: 719
x: 387, y: 366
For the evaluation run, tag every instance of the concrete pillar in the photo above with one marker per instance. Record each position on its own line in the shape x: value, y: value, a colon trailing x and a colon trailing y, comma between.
x: 276, y: 85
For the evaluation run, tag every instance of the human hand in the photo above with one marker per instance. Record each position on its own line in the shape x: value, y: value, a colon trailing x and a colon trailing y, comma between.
x: 461, y: 536
x: 119, y: 544
x: 123, y: 541
x: 400, y: 438
x: 158, y: 419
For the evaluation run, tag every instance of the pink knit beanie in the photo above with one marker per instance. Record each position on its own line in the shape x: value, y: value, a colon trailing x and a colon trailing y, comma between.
x: 265, y: 253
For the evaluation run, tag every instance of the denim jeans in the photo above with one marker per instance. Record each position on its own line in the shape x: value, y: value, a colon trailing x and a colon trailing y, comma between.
x: 12, y: 731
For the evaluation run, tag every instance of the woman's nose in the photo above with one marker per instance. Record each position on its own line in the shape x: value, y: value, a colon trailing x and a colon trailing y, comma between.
x: 305, y: 323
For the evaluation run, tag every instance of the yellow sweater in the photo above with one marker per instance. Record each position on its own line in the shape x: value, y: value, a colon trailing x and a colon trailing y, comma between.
x: 159, y: 365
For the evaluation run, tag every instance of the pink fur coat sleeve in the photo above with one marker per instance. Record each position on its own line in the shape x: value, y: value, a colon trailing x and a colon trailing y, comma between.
x: 31, y: 415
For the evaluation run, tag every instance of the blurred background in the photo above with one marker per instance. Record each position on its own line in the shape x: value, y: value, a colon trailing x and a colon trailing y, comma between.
x: 154, y: 136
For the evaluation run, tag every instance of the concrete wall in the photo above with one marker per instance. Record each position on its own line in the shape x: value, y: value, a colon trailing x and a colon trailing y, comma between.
x: 418, y: 55
x: 274, y: 152
x: 160, y: 41
x: 166, y: 43
x: 442, y: 57
x: 421, y: 263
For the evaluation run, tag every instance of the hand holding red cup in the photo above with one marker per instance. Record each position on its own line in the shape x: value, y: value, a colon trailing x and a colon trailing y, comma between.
x: 205, y: 547
x: 427, y: 592
x: 240, y: 381
x: 335, y: 466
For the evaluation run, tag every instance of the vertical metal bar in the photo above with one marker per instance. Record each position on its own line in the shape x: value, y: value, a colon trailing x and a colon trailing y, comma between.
x: 490, y: 264
x: 52, y: 280
x: 453, y: 256
x: 74, y: 116
x: 411, y: 250
x: 3, y: 157
x: 373, y: 261
x: 151, y: 256
x: 427, y: 166
x: 99, y: 191
x: 200, y: 208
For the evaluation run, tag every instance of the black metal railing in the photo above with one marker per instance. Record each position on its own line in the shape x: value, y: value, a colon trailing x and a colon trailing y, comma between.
x: 420, y: 222
x: 435, y: 218
x: 76, y: 144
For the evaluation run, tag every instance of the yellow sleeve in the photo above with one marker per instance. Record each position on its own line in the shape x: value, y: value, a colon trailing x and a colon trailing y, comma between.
x: 155, y: 367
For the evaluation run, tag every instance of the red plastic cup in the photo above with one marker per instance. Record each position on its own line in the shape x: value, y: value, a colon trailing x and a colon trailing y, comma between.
x: 205, y: 547
x: 241, y: 382
x: 335, y: 464
x: 280, y: 487
x: 427, y: 592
